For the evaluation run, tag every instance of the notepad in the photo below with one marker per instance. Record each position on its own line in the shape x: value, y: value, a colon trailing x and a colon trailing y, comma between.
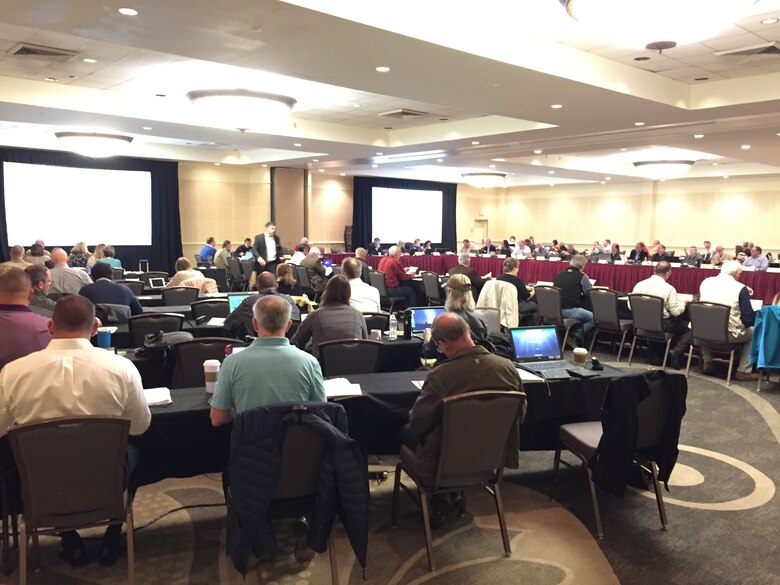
x: 216, y: 322
x: 418, y: 383
x: 340, y: 387
x: 157, y: 396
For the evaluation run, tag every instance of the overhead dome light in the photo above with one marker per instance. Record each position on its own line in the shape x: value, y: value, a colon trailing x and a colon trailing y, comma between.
x: 94, y: 144
x: 664, y: 169
x: 244, y: 109
x: 484, y: 180
x: 657, y: 24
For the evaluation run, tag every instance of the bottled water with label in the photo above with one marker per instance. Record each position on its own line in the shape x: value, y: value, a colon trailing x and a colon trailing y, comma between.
x: 393, y: 335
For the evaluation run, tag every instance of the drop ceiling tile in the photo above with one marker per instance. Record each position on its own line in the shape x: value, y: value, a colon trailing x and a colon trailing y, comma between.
x: 744, y: 72
x: 615, y: 52
x: 683, y: 73
x: 734, y: 41
x: 685, y: 51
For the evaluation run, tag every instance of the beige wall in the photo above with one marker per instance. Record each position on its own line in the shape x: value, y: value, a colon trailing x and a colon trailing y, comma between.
x: 330, y: 209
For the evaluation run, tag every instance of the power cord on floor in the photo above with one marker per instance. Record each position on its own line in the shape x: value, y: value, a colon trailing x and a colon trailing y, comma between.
x: 179, y: 509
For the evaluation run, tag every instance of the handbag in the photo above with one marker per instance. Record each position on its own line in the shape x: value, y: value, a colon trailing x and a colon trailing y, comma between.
x: 159, y: 345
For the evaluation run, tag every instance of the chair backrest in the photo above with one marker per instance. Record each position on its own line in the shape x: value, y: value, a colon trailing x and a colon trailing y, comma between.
x: 210, y: 308
x: 117, y: 273
x: 709, y: 322
x: 140, y: 325
x: 145, y: 277
x: 493, y: 319
x: 180, y: 295
x: 432, y: 287
x: 336, y: 270
x: 189, y: 356
x: 605, y: 308
x: 112, y: 314
x: 198, y: 258
x: 234, y: 266
x: 648, y: 313
x: 340, y: 357
x: 476, y: 427
x: 549, y: 300
x: 135, y: 286
x: 302, y: 276
x: 379, y: 321
x: 651, y: 414
x: 246, y: 269
x: 378, y: 282
x: 72, y: 470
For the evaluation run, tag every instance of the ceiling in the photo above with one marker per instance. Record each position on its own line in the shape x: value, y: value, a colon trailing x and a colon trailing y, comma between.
x: 482, y: 86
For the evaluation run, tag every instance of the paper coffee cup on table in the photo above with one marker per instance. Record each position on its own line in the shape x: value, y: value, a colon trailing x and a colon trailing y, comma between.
x: 211, y: 373
x: 580, y: 355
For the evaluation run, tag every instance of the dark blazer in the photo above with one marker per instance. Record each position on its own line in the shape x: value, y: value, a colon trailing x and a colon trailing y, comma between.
x: 375, y: 251
x: 487, y: 249
x: 364, y: 271
x: 660, y: 257
x: 316, y: 272
x: 260, y: 250
x: 108, y: 292
x: 635, y: 256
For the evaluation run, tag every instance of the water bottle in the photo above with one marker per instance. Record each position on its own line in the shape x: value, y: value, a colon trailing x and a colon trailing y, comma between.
x: 393, y: 335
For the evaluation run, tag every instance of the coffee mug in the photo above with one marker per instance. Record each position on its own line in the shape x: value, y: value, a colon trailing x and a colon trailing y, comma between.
x: 580, y: 355
x: 211, y: 373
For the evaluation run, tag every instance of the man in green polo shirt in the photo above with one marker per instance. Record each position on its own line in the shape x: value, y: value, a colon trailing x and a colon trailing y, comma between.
x: 268, y: 371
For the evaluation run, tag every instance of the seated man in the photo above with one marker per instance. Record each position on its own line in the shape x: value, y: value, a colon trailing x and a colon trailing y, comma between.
x: 17, y: 259
x: 720, y: 256
x: 414, y: 247
x: 692, y: 258
x: 106, y: 291
x: 220, y: 260
x: 315, y: 270
x: 540, y: 251
x: 528, y: 309
x: 375, y: 248
x: 65, y: 279
x: 756, y: 259
x: 468, y: 367
x: 239, y: 322
x: 360, y: 256
x: 574, y: 287
x: 522, y: 250
x: 287, y: 373
x: 467, y: 247
x: 396, y: 278
x: 364, y: 297
x: 463, y: 267
x: 488, y: 248
x: 638, y: 254
x: 41, y: 284
x: 660, y: 254
x: 675, y: 318
x: 209, y: 250
x: 300, y: 253
x: 23, y: 331
x: 72, y: 378
x: 184, y: 272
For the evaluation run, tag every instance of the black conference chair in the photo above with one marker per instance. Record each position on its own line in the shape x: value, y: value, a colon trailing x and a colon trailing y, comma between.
x: 188, y: 357
x: 378, y: 282
x: 648, y: 312
x: 236, y: 275
x: 210, y: 308
x: 117, y: 273
x: 136, y: 286
x: 141, y: 325
x: 549, y: 300
x: 246, y: 269
x: 432, y: 288
x: 341, y: 357
x: 379, y: 321
x: 605, y: 314
x: 180, y: 295
x: 710, y: 326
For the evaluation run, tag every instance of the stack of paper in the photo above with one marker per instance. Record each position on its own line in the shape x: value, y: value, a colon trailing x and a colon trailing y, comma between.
x: 157, y: 396
x: 340, y: 387
x: 418, y: 383
x: 216, y: 322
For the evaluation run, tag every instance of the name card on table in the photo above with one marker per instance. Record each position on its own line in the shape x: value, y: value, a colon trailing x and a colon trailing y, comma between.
x: 619, y: 262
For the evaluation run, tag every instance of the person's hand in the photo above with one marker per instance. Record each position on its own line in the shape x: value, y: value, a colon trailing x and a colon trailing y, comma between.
x: 532, y: 293
x: 261, y: 262
x: 427, y: 335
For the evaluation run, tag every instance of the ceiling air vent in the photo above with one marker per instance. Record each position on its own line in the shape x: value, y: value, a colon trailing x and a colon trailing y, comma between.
x: 50, y: 53
x: 770, y: 48
x: 403, y: 114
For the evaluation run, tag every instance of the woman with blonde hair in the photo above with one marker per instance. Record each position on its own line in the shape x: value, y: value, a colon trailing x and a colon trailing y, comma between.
x: 79, y: 255
x: 285, y: 281
x: 96, y: 255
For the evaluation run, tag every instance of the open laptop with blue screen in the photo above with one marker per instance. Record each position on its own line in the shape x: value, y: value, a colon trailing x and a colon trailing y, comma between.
x: 421, y: 318
x: 537, y: 351
x: 235, y: 299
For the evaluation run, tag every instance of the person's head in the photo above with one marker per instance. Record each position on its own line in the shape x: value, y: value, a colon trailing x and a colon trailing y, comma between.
x: 80, y: 248
x: 639, y: 246
x: 17, y: 252
x: 693, y: 250
x: 756, y: 251
x: 488, y: 242
x: 315, y: 252
x: 578, y: 261
x: 266, y: 281
x: 227, y: 245
x: 247, y: 242
x: 59, y: 257
x: 719, y: 249
x: 528, y: 243
x: 351, y: 268
x: 36, y: 249
x: 394, y: 251
x: 211, y: 240
x: 464, y: 259
x: 707, y: 244
x: 182, y: 264
x: 271, y: 316
x: 511, y: 265
x: 538, y: 245
x: 427, y: 244
x: 570, y: 248
x: 466, y: 243
x: 74, y: 317
x: 459, y: 297
x: 109, y: 251
x: 40, y: 278
x: 615, y: 248
x: 738, y: 250
x: 377, y: 242
x: 512, y: 239
x: 655, y: 243
x: 401, y: 244
x: 99, y: 251
x: 40, y: 243
x: 361, y: 253
x: 102, y: 270
x: 15, y: 287
x: 337, y: 291
x: 505, y: 244
x: 284, y: 274
x: 663, y: 269
x: 451, y: 333
x: 607, y: 243
x: 660, y: 249
x: 417, y: 241
x: 270, y: 228
x: 731, y: 268
x: 302, y: 248
x: 304, y: 240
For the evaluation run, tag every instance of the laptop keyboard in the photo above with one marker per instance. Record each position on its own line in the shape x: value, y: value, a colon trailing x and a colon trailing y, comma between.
x: 554, y: 374
x: 552, y: 365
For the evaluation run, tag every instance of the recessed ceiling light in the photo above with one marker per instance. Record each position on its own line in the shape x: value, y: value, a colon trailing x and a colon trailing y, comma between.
x: 623, y: 149
x: 217, y: 164
x: 315, y: 160
x: 492, y: 166
x: 538, y: 151
x: 89, y: 60
x: 745, y: 147
x: 355, y: 105
x: 607, y: 178
x: 552, y: 184
x: 769, y: 21
x: 264, y: 165
x: 536, y: 162
x: 603, y: 182
x: 146, y: 127
x: 715, y: 164
x: 498, y: 159
x: 475, y: 142
x: 321, y: 170
x: 495, y: 85
x: 556, y: 106
x: 639, y: 123
x: 128, y: 11
x: 297, y: 144
x: 550, y: 172
x: 725, y: 176
x: 439, y: 160
x: 697, y: 136
x: 374, y: 166
x: 379, y: 153
x: 52, y: 79
x: 382, y: 69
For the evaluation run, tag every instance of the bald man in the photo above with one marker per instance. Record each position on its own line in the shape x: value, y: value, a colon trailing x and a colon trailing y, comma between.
x: 17, y: 259
x: 65, y: 279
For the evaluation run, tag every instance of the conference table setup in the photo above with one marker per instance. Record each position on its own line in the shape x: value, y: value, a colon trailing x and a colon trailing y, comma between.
x: 618, y: 277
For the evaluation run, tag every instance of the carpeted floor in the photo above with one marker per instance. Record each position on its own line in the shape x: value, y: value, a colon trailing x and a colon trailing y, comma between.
x: 722, y: 509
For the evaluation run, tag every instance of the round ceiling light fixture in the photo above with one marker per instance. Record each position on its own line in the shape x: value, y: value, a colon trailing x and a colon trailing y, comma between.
x: 94, y: 144
x: 242, y: 108
x: 484, y: 180
x: 664, y: 169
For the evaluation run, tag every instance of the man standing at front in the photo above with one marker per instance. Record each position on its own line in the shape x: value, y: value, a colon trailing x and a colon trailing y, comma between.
x: 574, y: 287
x: 267, y: 249
x: 726, y: 289
x: 72, y: 378
x: 65, y: 279
x: 269, y: 371
x: 395, y: 276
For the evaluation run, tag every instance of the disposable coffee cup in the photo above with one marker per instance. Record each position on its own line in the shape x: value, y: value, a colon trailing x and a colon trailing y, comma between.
x: 211, y: 373
x: 104, y: 337
x: 580, y: 355
x: 376, y: 334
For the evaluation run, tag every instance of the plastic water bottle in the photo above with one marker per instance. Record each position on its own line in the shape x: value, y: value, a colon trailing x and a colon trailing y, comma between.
x: 393, y: 335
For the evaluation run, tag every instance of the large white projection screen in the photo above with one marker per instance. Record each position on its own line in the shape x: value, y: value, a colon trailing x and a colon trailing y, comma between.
x: 63, y: 205
x: 406, y: 214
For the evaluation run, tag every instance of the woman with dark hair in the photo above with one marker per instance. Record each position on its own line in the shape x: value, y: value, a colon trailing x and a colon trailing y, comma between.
x: 285, y: 281
x: 505, y: 249
x: 37, y: 255
x: 427, y: 247
x: 334, y: 319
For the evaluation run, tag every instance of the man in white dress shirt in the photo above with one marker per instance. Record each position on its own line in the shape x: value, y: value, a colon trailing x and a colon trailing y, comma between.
x: 70, y: 377
x: 65, y: 279
x: 364, y: 297
x: 522, y: 250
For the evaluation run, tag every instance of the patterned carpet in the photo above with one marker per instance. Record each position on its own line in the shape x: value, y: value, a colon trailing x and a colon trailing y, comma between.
x: 723, y: 519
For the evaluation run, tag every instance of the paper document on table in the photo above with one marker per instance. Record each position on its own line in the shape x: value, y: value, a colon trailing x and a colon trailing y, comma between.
x: 157, y: 396
x: 418, y: 383
x: 328, y: 270
x: 216, y: 322
x: 488, y: 276
x: 411, y: 269
x: 528, y: 377
x: 756, y: 304
x: 339, y: 387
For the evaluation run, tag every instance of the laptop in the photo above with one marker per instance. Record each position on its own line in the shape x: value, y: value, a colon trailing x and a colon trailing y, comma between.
x: 327, y: 262
x: 157, y: 282
x: 537, y: 351
x: 418, y: 319
x: 235, y: 300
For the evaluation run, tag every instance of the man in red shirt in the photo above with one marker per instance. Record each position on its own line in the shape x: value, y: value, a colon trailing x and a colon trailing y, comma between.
x: 396, y: 277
